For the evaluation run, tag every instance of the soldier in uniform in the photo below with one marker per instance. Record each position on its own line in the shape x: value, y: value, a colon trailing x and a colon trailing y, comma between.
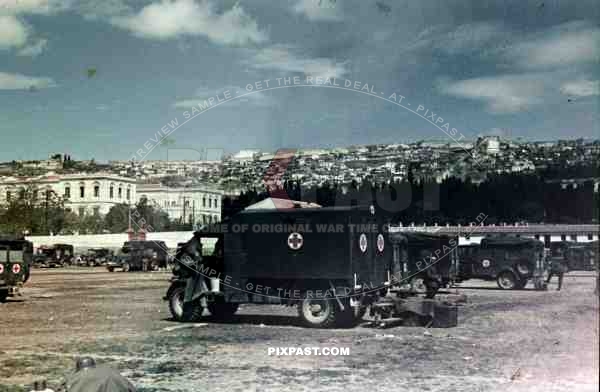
x: 91, y: 378
x: 558, y: 266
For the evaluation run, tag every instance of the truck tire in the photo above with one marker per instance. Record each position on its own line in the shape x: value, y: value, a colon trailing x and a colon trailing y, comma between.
x: 507, y: 280
x: 175, y: 298
x: 317, y: 313
x: 111, y: 269
x: 222, y: 311
x: 3, y: 295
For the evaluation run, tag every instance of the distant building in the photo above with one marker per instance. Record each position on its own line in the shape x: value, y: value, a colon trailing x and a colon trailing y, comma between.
x: 82, y: 193
x: 492, y: 145
x: 185, y: 204
x: 245, y: 155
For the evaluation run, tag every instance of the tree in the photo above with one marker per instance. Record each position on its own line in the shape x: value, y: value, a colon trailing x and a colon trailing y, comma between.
x: 117, y: 218
x: 146, y: 215
x: 91, y: 224
x: 34, y: 212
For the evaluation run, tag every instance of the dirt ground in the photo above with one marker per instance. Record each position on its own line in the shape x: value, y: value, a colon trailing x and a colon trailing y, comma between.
x: 506, y: 341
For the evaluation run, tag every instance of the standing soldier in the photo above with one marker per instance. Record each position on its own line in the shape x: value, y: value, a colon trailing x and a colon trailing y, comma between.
x: 558, y: 266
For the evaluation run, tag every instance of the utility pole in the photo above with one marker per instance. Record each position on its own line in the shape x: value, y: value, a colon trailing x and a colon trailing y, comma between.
x: 129, y: 216
x: 183, y: 215
x: 46, y: 212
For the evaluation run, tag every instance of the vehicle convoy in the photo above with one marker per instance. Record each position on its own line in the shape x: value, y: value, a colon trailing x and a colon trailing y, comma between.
x: 57, y: 255
x: 141, y: 256
x: 580, y: 256
x: 332, y: 263
x: 15, y: 265
x: 510, y: 261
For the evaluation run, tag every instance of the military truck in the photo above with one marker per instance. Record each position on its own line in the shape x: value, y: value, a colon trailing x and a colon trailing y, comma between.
x: 329, y: 262
x: 580, y: 256
x: 510, y: 261
x: 15, y: 264
x: 57, y: 255
x: 97, y: 257
x: 142, y: 256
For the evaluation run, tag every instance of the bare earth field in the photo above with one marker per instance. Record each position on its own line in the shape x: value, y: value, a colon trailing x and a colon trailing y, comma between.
x: 506, y: 341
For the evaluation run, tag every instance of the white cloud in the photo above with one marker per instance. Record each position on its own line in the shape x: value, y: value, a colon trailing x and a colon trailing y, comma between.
x: 256, y: 99
x: 13, y: 32
x: 282, y: 59
x: 565, y: 45
x: 34, y: 49
x: 319, y: 9
x: 502, y: 94
x: 464, y: 38
x: 170, y: 19
x: 105, y: 9
x: 32, y: 6
x: 12, y: 81
x: 581, y: 88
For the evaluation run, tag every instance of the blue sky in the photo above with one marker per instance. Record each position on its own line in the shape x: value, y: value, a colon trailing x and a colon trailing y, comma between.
x: 528, y: 68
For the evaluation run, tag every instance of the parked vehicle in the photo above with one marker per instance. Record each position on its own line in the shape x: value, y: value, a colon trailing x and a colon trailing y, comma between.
x: 116, y: 261
x: 57, y: 255
x: 329, y: 262
x: 97, y: 257
x: 510, y: 261
x: 428, y: 262
x: 15, y: 265
x: 143, y: 256
x: 580, y: 256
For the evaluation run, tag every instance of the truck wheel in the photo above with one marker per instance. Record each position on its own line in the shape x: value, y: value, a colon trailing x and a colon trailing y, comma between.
x: 175, y: 298
x: 111, y: 269
x: 3, y: 295
x: 317, y: 313
x: 507, y: 280
x: 222, y: 311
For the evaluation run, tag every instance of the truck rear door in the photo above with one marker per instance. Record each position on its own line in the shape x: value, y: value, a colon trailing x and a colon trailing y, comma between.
x: 370, y: 251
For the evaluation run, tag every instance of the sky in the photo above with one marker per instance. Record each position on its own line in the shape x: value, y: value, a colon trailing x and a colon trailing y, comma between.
x: 97, y: 79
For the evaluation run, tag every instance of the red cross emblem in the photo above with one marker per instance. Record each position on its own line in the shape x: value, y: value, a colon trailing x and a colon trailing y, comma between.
x: 295, y: 241
x: 362, y: 242
x: 380, y: 243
